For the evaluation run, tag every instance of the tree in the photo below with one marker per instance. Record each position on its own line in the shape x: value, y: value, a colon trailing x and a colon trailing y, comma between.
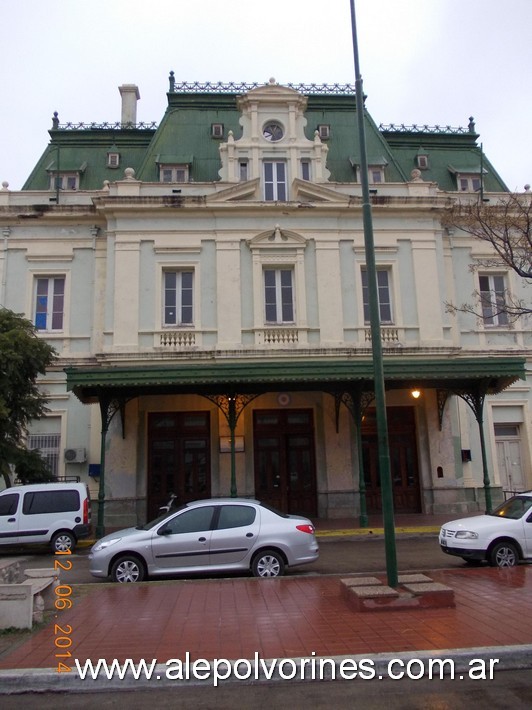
x: 506, y: 226
x: 23, y: 357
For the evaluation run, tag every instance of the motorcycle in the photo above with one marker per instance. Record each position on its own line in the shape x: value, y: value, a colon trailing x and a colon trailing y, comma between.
x: 171, y: 505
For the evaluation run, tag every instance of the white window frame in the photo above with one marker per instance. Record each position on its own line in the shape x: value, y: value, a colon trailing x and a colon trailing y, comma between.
x: 243, y: 170
x: 49, y: 447
x: 64, y: 181
x: 386, y: 312
x: 279, y: 291
x: 276, y: 189
x: 469, y: 182
x: 306, y: 168
x: 174, y: 173
x: 179, y: 306
x: 492, y: 299
x: 51, y: 302
x: 113, y: 159
x: 376, y: 174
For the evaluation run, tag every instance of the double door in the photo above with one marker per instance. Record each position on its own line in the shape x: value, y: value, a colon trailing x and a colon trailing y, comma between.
x: 178, y: 458
x: 403, y: 460
x: 285, y: 470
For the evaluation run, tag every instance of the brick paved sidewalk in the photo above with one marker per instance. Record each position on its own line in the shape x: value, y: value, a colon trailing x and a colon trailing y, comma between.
x: 286, y: 617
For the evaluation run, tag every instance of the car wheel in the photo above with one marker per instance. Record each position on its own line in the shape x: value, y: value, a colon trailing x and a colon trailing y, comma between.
x: 268, y: 563
x: 63, y: 541
x: 504, y: 554
x: 128, y: 569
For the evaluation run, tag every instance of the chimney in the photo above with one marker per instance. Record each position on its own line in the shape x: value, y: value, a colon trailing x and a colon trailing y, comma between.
x: 130, y: 95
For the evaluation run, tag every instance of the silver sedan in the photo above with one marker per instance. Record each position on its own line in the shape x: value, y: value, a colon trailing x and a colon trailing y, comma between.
x: 215, y: 535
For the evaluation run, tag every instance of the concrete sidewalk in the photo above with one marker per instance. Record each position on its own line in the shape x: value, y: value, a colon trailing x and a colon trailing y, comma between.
x: 291, y: 617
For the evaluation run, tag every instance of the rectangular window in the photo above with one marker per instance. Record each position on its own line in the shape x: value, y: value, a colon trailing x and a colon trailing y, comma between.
x: 173, y: 173
x: 376, y: 175
x: 383, y: 289
x: 278, y: 296
x: 178, y: 306
x: 493, y: 299
x: 64, y: 181
x: 49, y: 303
x: 305, y: 169
x: 40, y: 502
x: 469, y: 183
x: 48, y: 446
x: 275, y: 181
x: 243, y: 170
x: 113, y: 160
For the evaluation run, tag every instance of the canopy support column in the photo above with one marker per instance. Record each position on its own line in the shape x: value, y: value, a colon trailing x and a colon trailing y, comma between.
x: 232, y: 405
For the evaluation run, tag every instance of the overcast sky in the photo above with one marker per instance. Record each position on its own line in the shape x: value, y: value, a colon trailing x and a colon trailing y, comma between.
x: 422, y: 61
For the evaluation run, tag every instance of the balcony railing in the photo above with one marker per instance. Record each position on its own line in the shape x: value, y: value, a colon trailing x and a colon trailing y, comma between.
x: 176, y: 338
x: 388, y: 335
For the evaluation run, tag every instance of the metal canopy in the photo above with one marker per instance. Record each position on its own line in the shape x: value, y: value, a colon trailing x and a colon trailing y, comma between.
x: 88, y: 384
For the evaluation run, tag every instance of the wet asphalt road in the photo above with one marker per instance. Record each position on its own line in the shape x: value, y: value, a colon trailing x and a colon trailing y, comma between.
x: 350, y: 556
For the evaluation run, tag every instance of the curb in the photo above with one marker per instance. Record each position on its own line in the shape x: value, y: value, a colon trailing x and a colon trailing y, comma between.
x: 378, y: 532
x: 35, y: 680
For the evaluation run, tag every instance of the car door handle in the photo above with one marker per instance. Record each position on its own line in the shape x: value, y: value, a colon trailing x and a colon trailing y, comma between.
x: 11, y: 520
x: 202, y: 539
x: 249, y: 534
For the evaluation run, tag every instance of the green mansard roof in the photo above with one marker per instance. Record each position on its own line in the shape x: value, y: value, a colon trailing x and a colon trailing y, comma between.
x: 184, y: 136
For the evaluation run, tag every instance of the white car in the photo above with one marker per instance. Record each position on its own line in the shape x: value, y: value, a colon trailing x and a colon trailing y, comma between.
x: 502, y: 538
x: 215, y: 535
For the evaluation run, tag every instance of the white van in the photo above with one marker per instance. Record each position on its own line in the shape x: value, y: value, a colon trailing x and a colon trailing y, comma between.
x: 55, y: 513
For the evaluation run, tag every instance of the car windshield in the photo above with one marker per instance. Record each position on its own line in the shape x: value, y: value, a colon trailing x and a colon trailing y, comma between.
x: 514, y: 508
x: 152, y: 523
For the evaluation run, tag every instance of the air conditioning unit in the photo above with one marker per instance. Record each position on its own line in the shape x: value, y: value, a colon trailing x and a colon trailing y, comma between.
x: 75, y: 455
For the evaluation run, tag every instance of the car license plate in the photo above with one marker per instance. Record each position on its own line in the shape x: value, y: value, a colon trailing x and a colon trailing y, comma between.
x: 443, y: 542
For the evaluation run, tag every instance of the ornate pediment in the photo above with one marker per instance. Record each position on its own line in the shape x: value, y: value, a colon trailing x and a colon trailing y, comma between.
x: 277, y: 237
x: 309, y: 192
x: 250, y: 189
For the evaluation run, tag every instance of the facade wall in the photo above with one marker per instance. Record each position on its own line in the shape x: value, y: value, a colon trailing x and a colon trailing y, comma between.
x: 114, y: 246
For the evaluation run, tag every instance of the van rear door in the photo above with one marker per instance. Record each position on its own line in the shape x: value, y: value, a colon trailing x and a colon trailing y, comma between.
x: 9, y: 517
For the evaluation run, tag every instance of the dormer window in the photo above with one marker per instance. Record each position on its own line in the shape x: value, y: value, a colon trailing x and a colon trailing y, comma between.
x: 173, y: 173
x: 217, y: 130
x: 469, y: 183
x: 376, y: 174
x: 468, y: 178
x: 64, y: 181
x: 113, y: 160
x: 324, y: 131
x: 422, y: 160
x: 376, y: 168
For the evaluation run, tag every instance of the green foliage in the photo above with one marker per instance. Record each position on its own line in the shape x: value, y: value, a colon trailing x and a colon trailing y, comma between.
x: 23, y: 357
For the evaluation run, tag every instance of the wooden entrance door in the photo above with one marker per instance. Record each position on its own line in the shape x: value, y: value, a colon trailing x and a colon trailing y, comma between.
x: 403, y: 460
x: 178, y: 458
x: 285, y: 471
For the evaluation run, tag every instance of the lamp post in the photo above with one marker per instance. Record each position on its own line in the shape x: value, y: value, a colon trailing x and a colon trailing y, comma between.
x: 376, y: 345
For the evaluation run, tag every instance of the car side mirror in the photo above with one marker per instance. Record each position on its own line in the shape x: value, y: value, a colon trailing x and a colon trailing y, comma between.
x: 165, y: 530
